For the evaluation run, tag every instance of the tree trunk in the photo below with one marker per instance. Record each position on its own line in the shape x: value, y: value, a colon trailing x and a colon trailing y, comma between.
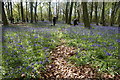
x: 78, y: 12
x: 19, y: 11
x: 35, y: 12
x: 114, y: 10
x: 66, y: 12
x: 119, y: 19
x: 78, y: 15
x: 70, y: 14
x: 96, y: 17
x: 63, y: 15
x: 85, y: 15
x: 22, y: 12
x: 4, y: 18
x: 11, y: 12
x: 56, y: 8
x: 26, y: 13
x: 8, y: 10
x: 103, y: 15
x: 91, y: 12
x: 50, y: 17
x: 41, y: 11
x: 31, y: 12
x: 75, y: 9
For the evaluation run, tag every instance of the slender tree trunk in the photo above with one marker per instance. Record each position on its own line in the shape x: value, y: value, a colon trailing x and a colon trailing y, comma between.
x: 103, y: 15
x: 96, y: 17
x: 78, y: 15
x: 75, y: 9
x: 56, y: 8
x: 78, y: 12
x: 119, y: 19
x: 70, y: 14
x: 63, y: 15
x: 19, y: 11
x: 85, y: 15
x: 66, y: 12
x: 31, y: 12
x: 35, y: 12
x: 11, y: 12
x: 26, y: 13
x: 91, y: 12
x: 22, y: 12
x: 50, y: 17
x: 4, y: 18
x: 41, y: 11
x: 8, y: 10
x: 114, y: 10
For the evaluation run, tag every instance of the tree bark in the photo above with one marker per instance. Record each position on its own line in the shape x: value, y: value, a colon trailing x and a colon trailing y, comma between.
x: 91, y: 12
x: 103, y: 15
x: 78, y: 12
x: 75, y: 9
x: 66, y: 12
x: 50, y: 16
x: 41, y: 11
x: 96, y: 17
x: 22, y: 12
x: 114, y: 10
x: 18, y: 10
x: 8, y: 10
x: 35, y: 12
x: 119, y: 19
x: 85, y: 15
x: 4, y: 18
x: 70, y: 14
x: 11, y: 13
x: 26, y: 13
x: 78, y: 15
x: 31, y: 12
x: 11, y: 10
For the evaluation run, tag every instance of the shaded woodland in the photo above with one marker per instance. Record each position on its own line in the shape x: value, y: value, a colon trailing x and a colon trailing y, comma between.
x: 99, y: 13
x: 60, y: 40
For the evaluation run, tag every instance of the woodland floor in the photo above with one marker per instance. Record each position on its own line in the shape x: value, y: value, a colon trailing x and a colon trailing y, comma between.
x: 61, y: 69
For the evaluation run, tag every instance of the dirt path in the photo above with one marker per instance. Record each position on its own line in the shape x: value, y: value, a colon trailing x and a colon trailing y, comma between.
x: 60, y: 68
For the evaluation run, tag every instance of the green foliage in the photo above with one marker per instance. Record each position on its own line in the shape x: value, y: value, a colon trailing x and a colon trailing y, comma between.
x: 27, y: 51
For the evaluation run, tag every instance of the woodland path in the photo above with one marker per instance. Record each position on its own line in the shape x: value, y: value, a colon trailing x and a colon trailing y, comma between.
x: 61, y: 69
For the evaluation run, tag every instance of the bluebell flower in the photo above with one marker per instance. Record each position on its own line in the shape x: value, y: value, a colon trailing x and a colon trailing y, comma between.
x: 76, y: 53
x: 41, y: 62
x: 34, y: 71
x: 28, y: 67
x: 35, y: 37
x: 92, y: 45
x: 32, y: 64
x: 108, y: 54
x: 18, y: 67
x: 32, y: 67
x: 21, y: 46
x: 118, y: 40
x: 77, y: 56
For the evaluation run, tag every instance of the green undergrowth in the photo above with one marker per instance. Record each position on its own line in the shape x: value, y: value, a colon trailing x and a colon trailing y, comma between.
x: 98, y: 48
x: 27, y: 50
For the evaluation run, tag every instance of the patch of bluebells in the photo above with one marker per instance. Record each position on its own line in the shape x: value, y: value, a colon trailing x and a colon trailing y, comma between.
x: 100, y: 41
x: 19, y: 43
x: 108, y: 54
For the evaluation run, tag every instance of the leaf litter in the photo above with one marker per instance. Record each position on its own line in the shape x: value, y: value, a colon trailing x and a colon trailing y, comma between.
x: 61, y: 69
